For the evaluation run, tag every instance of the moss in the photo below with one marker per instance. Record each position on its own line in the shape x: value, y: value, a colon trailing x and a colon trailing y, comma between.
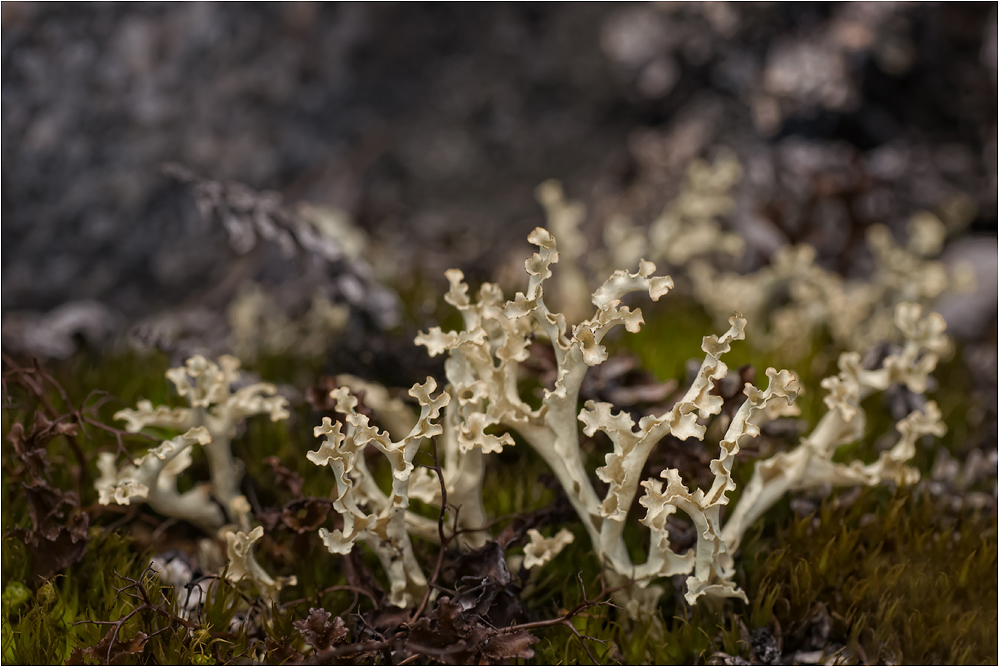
x: 673, y: 637
x: 872, y: 564
x: 47, y: 630
x: 672, y: 334
x: 901, y: 577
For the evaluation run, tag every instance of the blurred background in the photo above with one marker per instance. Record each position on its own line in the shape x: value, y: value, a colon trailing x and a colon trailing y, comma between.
x: 418, y: 134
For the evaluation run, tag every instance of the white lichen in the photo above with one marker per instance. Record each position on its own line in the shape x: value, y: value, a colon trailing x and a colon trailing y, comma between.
x: 482, y: 371
x: 216, y: 410
x: 210, y: 421
x: 856, y: 313
x: 540, y: 550
x: 153, y: 478
x: 243, y: 564
x: 368, y: 515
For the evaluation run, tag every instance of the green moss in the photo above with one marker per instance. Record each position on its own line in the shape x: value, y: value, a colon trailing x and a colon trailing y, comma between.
x: 46, y: 630
x: 673, y: 331
x: 900, y: 576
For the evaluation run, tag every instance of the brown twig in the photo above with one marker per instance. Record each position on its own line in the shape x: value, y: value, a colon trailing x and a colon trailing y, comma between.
x: 357, y: 590
x: 566, y: 618
x: 24, y: 377
x: 440, y: 533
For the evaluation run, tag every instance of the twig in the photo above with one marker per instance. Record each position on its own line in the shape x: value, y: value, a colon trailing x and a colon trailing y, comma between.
x: 24, y: 377
x: 566, y: 619
x: 353, y: 650
x: 440, y: 533
x: 357, y: 590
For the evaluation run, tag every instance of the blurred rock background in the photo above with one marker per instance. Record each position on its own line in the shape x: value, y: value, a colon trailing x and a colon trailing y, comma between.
x: 429, y: 126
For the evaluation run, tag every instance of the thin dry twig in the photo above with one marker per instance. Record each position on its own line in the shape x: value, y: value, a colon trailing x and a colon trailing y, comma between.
x: 356, y: 590
x: 440, y: 533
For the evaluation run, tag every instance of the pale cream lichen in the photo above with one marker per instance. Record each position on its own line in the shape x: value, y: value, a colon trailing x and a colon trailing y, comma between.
x: 480, y: 409
x: 369, y: 516
x: 210, y: 421
x: 216, y: 409
x: 260, y: 325
x: 152, y: 478
x: 856, y: 313
x: 540, y: 550
x: 810, y: 465
x: 689, y: 226
x: 482, y: 370
x: 788, y: 300
x: 243, y: 564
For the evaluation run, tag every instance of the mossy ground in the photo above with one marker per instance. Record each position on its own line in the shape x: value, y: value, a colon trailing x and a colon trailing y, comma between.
x: 899, y: 575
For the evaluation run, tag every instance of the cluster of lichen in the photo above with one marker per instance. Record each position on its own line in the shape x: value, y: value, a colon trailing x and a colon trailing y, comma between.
x: 860, y: 561
x: 911, y: 550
